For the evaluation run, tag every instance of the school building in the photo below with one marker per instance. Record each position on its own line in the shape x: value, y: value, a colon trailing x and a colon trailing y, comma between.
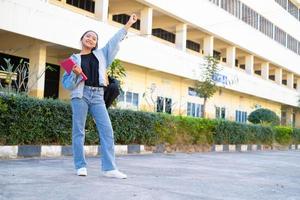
x: 257, y: 43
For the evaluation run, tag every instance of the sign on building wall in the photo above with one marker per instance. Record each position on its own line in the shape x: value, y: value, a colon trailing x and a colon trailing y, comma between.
x: 225, y: 80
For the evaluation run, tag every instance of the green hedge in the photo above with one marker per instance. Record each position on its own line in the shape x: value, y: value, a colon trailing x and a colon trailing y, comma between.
x: 228, y: 132
x: 184, y: 130
x: 283, y: 135
x: 296, y: 136
x: 26, y: 120
x: 31, y: 121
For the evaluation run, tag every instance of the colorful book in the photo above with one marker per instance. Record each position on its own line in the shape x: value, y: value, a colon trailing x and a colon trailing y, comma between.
x: 68, y: 64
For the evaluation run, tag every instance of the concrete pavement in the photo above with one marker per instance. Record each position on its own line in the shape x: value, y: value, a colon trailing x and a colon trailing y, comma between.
x: 208, y: 176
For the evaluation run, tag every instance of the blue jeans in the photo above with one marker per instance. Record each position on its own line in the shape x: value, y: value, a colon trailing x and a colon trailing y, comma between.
x: 93, y: 102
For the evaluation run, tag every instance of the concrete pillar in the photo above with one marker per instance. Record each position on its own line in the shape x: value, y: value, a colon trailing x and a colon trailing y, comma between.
x: 230, y: 56
x: 37, y: 67
x: 249, y: 62
x: 181, y: 31
x: 290, y: 80
x: 146, y: 21
x: 62, y: 92
x: 278, y: 75
x: 110, y: 17
x: 289, y: 116
x: 297, y: 120
x: 298, y: 85
x: 208, y: 46
x: 101, y: 9
x: 265, y: 68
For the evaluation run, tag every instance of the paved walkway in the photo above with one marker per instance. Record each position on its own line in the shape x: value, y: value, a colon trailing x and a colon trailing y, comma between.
x: 208, y: 176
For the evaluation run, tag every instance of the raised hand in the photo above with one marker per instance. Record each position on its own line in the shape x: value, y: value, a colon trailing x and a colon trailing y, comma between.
x: 132, y: 20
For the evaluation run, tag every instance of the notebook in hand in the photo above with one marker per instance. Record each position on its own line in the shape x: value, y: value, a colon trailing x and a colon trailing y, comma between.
x: 68, y: 65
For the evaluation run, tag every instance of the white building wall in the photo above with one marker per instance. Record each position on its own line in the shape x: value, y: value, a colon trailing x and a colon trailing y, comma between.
x: 47, y: 22
x: 205, y: 15
x: 277, y: 15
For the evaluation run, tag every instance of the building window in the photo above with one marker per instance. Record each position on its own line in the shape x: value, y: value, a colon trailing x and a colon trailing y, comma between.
x: 160, y: 104
x: 283, y: 118
x: 290, y: 7
x: 129, y: 99
x: 21, y: 66
x: 194, y: 109
x: 163, y: 34
x: 52, y: 75
x: 242, y: 66
x: 266, y: 26
x: 236, y: 63
x: 250, y: 16
x: 282, y: 3
x: 121, y: 97
x: 220, y: 112
x: 123, y: 18
x: 284, y: 82
x: 258, y: 72
x: 217, y: 55
x: 280, y: 36
x: 293, y: 9
x: 217, y: 2
x: 241, y: 116
x: 193, y: 92
x: 232, y: 6
x: 292, y: 43
x: 272, y: 77
x: 87, y: 5
x: 294, y: 120
x: 193, y: 45
x: 164, y: 105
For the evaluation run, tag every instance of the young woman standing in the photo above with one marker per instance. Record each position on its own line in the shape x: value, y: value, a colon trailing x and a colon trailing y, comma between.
x: 88, y: 96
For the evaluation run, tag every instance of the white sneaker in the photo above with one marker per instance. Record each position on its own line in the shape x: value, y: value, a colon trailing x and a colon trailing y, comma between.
x: 82, y: 171
x: 114, y: 174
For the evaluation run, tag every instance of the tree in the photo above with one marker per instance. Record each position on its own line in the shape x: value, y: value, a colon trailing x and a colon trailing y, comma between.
x: 117, y: 70
x: 263, y: 116
x: 206, y: 86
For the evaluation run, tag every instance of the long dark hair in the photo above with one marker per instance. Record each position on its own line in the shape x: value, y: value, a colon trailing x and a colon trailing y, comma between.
x: 95, y: 34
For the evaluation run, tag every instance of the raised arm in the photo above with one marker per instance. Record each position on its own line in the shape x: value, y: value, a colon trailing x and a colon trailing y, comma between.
x: 131, y: 21
x: 112, y: 47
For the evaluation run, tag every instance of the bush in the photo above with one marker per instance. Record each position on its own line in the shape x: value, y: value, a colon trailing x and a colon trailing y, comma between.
x: 26, y: 120
x: 134, y: 127
x: 165, y: 128
x: 31, y: 121
x: 227, y: 132
x: 3, y: 111
x: 283, y: 135
x: 296, y: 136
x: 194, y: 130
x: 263, y: 116
x: 263, y: 135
